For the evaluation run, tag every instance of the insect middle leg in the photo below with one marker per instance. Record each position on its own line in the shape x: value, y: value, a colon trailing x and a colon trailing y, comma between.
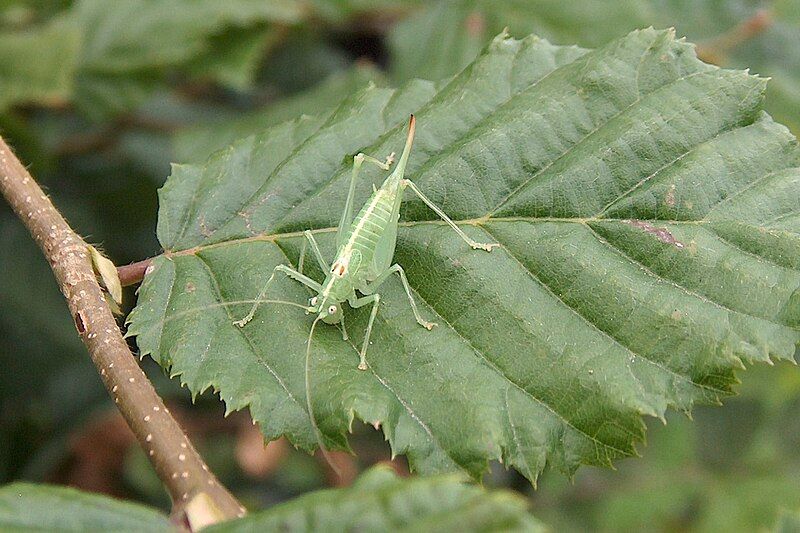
x: 372, y: 287
x: 474, y: 244
x: 375, y: 300
x: 292, y: 273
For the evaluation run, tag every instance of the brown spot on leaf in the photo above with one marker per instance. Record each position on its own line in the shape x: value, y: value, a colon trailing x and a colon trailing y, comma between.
x: 204, y: 231
x: 190, y: 287
x: 670, y: 198
x: 662, y: 234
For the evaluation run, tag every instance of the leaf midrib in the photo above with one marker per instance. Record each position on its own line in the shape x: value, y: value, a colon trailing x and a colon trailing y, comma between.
x: 475, y: 222
x: 479, y: 223
x: 484, y: 221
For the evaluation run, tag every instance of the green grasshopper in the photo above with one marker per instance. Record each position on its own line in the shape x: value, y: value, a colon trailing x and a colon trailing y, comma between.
x: 366, y: 246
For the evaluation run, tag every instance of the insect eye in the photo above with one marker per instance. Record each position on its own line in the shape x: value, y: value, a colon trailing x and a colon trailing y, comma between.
x: 312, y: 301
x: 332, y: 310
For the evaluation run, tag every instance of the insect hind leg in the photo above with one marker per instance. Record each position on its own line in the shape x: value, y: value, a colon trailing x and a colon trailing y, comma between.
x: 396, y: 268
x: 290, y: 272
x: 438, y: 210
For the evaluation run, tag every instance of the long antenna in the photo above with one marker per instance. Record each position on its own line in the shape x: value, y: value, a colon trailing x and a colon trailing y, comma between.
x: 310, y: 408
x: 271, y: 301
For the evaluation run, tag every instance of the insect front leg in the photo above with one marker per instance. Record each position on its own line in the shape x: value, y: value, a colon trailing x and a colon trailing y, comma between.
x: 294, y: 274
x: 375, y: 300
x: 315, y: 249
x: 474, y: 244
x: 372, y: 287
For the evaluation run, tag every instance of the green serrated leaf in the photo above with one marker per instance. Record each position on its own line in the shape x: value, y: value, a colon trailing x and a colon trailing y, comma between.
x: 381, y: 501
x: 29, y: 507
x: 648, y: 215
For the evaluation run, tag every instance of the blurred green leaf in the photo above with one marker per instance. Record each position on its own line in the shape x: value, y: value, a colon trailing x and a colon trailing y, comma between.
x: 788, y: 523
x: 126, y: 48
x: 140, y: 34
x: 28, y: 507
x: 197, y: 143
x: 381, y: 501
x: 731, y: 469
x: 110, y: 60
x: 38, y: 65
x: 115, y: 57
x: 233, y: 56
x: 339, y: 11
x: 444, y: 36
x: 775, y: 52
x: 648, y: 214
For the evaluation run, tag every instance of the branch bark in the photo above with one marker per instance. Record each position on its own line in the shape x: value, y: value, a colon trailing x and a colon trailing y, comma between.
x: 196, y: 494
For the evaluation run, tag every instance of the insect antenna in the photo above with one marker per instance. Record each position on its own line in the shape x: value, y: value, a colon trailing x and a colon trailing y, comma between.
x: 314, y: 425
x: 244, y: 321
x: 270, y: 301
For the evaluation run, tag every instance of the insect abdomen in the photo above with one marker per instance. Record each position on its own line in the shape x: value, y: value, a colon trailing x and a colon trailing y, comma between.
x: 370, y: 224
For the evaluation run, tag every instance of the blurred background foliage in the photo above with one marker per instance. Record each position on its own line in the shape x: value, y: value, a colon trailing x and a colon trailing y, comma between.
x: 99, y: 97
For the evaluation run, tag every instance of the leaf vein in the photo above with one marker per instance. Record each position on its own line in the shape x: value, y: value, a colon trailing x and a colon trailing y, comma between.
x: 597, y: 328
x: 580, y: 142
x: 241, y: 332
x: 502, y: 374
x: 759, y: 258
x: 413, y: 415
x: 741, y: 191
x: 675, y: 284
